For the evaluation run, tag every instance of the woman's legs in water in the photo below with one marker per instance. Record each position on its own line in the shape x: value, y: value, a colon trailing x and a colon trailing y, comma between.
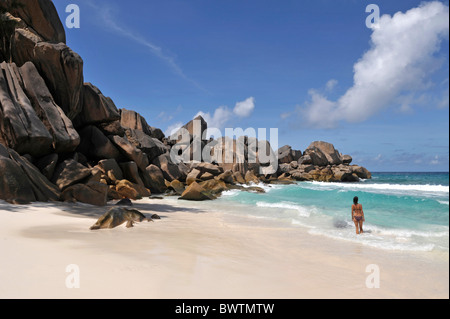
x: 357, y: 226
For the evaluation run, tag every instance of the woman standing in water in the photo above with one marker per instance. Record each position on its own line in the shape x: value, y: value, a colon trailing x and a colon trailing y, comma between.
x: 357, y: 215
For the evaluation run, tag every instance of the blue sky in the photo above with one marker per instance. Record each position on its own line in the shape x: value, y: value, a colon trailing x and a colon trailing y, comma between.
x: 312, y: 69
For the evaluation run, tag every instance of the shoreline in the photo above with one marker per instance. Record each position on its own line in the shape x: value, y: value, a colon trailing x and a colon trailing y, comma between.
x: 194, y: 253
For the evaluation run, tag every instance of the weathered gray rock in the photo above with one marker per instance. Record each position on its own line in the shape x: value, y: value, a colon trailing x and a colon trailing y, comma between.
x: 41, y: 15
x: 133, y: 120
x: 112, y: 128
x: 193, y: 176
x: 196, y: 192
x: 227, y: 177
x: 284, y: 168
x: 346, y: 159
x: 149, y: 145
x: 170, y: 170
x: 196, y: 128
x: 286, y: 154
x: 305, y: 159
x: 130, y: 151
x: 65, y: 137
x: 131, y: 173
x: 177, y: 186
x: 316, y: 156
x: 331, y: 154
x: 20, y: 127
x: 14, y: 183
x: 154, y: 179
x: 94, y: 144
x: 69, y: 173
x: 361, y: 172
x: 91, y: 193
x: 214, y: 186
x: 43, y: 189
x: 59, y: 66
x: 107, y: 165
x: 237, y: 176
x: 250, y: 177
x: 203, y: 167
x: 47, y: 165
x: 96, y: 108
x: 130, y: 190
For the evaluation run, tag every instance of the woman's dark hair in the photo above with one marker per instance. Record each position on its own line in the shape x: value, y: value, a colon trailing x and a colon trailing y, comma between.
x: 355, y: 200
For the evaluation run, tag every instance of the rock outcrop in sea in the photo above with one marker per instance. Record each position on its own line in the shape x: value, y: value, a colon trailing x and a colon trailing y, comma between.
x: 61, y: 139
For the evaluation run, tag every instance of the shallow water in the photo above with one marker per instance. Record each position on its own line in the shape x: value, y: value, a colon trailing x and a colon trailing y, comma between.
x: 403, y: 211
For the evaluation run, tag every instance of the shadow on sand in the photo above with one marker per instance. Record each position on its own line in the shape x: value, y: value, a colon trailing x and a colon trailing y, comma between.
x: 85, y: 210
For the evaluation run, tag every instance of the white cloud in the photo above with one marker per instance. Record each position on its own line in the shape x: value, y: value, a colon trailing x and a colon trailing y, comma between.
x: 245, y: 108
x: 435, y: 160
x: 400, y: 60
x: 331, y: 84
x: 173, y: 128
x: 222, y: 115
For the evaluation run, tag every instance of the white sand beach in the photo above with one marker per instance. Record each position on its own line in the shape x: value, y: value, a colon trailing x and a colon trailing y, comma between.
x: 193, y: 253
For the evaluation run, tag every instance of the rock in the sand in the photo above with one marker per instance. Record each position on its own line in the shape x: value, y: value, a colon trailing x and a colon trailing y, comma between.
x: 130, y: 190
x: 177, y: 186
x: 131, y: 173
x: 214, y: 186
x: 43, y: 189
x: 14, y: 183
x: 116, y: 216
x: 170, y: 170
x: 92, y: 193
x: 154, y: 179
x: 68, y: 173
x: 196, y: 192
x: 193, y: 176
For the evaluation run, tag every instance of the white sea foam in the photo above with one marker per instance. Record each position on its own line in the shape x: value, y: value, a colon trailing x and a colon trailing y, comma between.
x: 408, y: 233
x: 383, y: 187
x: 302, y: 211
x: 443, y: 202
x: 231, y: 193
x: 375, y: 240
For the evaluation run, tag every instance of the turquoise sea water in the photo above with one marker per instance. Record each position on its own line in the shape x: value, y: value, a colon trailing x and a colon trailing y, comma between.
x: 403, y: 211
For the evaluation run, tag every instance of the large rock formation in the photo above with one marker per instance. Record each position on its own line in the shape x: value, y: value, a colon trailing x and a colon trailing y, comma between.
x: 62, y: 139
